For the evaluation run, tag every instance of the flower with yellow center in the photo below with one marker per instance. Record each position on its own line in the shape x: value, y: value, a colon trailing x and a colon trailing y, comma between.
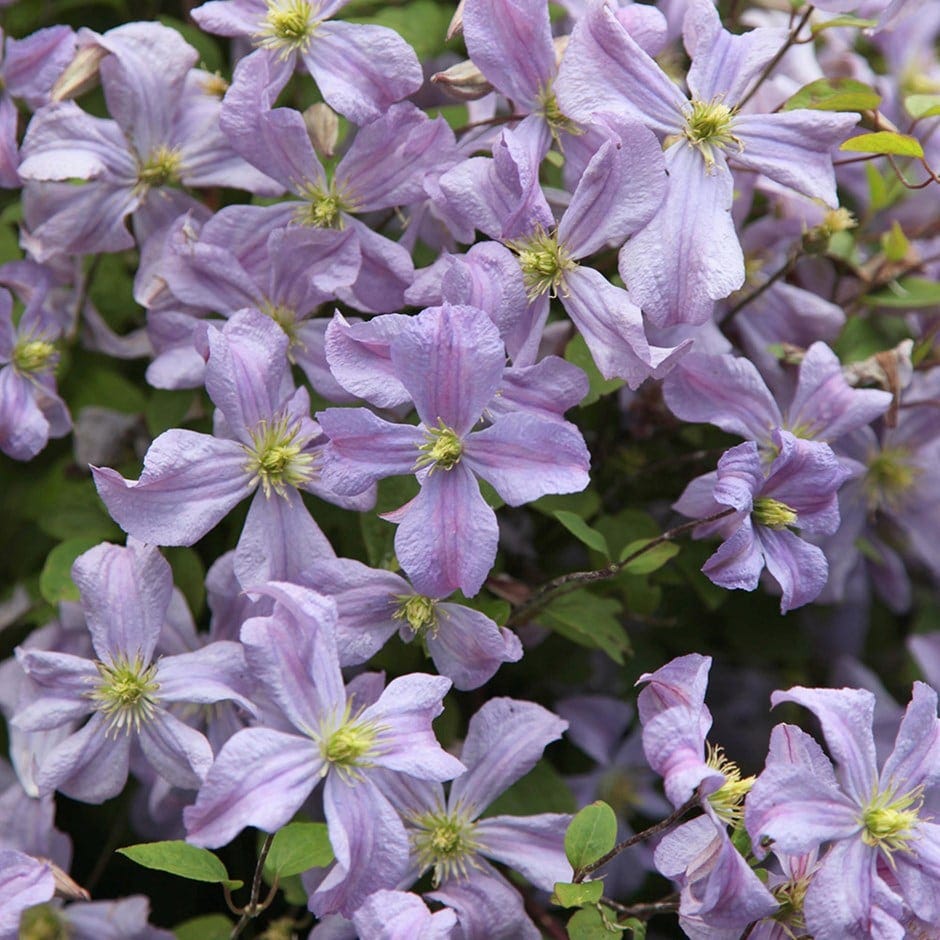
x: 276, y: 456
x: 287, y: 27
x: 34, y: 355
x: 445, y: 842
x: 708, y: 126
x: 161, y: 168
x: 544, y: 262
x: 126, y: 692
x: 441, y: 450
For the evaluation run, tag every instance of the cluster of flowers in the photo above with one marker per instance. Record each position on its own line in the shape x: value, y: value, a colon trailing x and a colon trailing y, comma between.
x: 690, y: 196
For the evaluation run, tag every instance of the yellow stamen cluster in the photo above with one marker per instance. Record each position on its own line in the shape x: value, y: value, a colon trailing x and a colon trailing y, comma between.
x: 34, y: 355
x: 441, y: 450
x: 284, y: 317
x: 323, y: 208
x: 708, y: 127
x: 728, y: 800
x: 276, y: 457
x: 419, y: 611
x: 126, y: 692
x: 544, y: 263
x: 42, y: 922
x: 347, y: 743
x: 161, y: 168
x: 889, y: 821
x: 890, y: 476
x: 445, y: 842
x: 772, y: 513
x: 287, y: 27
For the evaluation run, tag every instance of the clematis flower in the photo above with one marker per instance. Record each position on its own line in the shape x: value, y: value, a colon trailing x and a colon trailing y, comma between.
x: 883, y: 854
x: 262, y: 776
x: 798, y: 489
x: 689, y: 256
x: 504, y: 741
x: 267, y: 444
x: 361, y: 70
x: 451, y: 361
x: 125, y: 595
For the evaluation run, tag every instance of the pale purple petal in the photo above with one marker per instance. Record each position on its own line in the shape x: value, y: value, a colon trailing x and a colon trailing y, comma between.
x: 179, y: 754
x: 24, y: 429
x: 24, y: 881
x: 279, y: 540
x: 915, y: 759
x: 619, y: 191
x: 505, y: 740
x: 385, y: 273
x: 447, y: 535
x: 65, y: 681
x: 451, y: 361
x: 525, y: 456
x: 548, y: 388
x: 260, y: 778
x: 846, y: 717
x: 688, y: 256
x: 362, y: 69
x: 738, y: 562
x: 918, y: 872
x: 406, y: 742
x: 212, y: 674
x: 532, y: 845
x: 176, y: 500
x: 799, y: 567
x: 125, y: 595
x: 510, y: 41
x: 32, y: 64
x: 398, y: 915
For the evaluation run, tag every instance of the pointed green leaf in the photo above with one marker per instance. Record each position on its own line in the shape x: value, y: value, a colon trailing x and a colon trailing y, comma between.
x: 651, y: 560
x: 207, y: 927
x: 894, y: 243
x: 590, y: 924
x: 591, y: 834
x: 582, y: 531
x: 835, y: 94
x: 572, y: 895
x: 588, y: 620
x: 922, y: 106
x: 298, y: 847
x: 55, y: 581
x: 900, y: 145
x: 182, y: 859
x: 907, y: 292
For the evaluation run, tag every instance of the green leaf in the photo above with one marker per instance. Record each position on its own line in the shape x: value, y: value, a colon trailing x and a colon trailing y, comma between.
x: 590, y: 924
x: 636, y: 927
x: 922, y: 106
x: 572, y: 895
x: 107, y: 389
x: 649, y: 561
x: 182, y: 859
x: 577, y: 352
x: 835, y: 94
x: 582, y: 531
x: 907, y: 292
x: 901, y: 145
x: 208, y: 927
x: 894, y: 243
x: 298, y: 847
x: 846, y: 20
x: 541, y: 790
x: 422, y: 24
x: 591, y: 834
x: 589, y: 620
x: 166, y: 409
x: 189, y: 575
x: 585, y: 504
x: 55, y: 581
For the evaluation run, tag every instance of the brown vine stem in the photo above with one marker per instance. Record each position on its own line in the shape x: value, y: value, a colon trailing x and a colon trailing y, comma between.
x: 253, y: 908
x: 772, y: 64
x: 654, y: 830
x: 644, y: 910
x: 782, y: 271
x: 566, y: 583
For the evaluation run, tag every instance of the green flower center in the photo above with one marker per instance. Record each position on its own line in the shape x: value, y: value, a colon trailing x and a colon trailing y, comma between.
x: 772, y: 513
x: 728, y: 800
x: 347, y: 743
x: 445, y: 842
x: 441, y: 449
x: 708, y: 126
x: 791, y: 895
x: 161, y: 168
x: 42, y: 923
x: 419, y: 610
x: 323, y: 208
x: 284, y: 317
x: 890, y: 476
x: 126, y: 692
x: 889, y: 820
x: 544, y: 263
x: 555, y: 118
x: 34, y: 355
x: 287, y: 27
x: 276, y: 457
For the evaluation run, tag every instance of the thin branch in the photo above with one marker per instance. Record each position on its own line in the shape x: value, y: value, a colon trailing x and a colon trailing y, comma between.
x: 253, y: 908
x: 782, y: 271
x: 659, y: 827
x: 772, y: 64
x: 644, y: 910
x: 566, y: 583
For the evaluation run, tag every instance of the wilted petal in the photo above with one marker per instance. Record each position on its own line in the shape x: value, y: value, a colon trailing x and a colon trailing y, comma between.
x: 260, y: 778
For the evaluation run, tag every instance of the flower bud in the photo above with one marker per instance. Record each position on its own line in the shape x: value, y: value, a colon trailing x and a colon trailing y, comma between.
x: 456, y: 23
x: 463, y: 81
x: 322, y: 128
x: 80, y: 75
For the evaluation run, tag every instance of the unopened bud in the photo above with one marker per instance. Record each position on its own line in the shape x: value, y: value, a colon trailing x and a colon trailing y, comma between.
x: 463, y: 81
x: 80, y: 75
x: 816, y: 239
x: 322, y: 128
x: 456, y: 22
x: 65, y: 887
x: 560, y: 43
